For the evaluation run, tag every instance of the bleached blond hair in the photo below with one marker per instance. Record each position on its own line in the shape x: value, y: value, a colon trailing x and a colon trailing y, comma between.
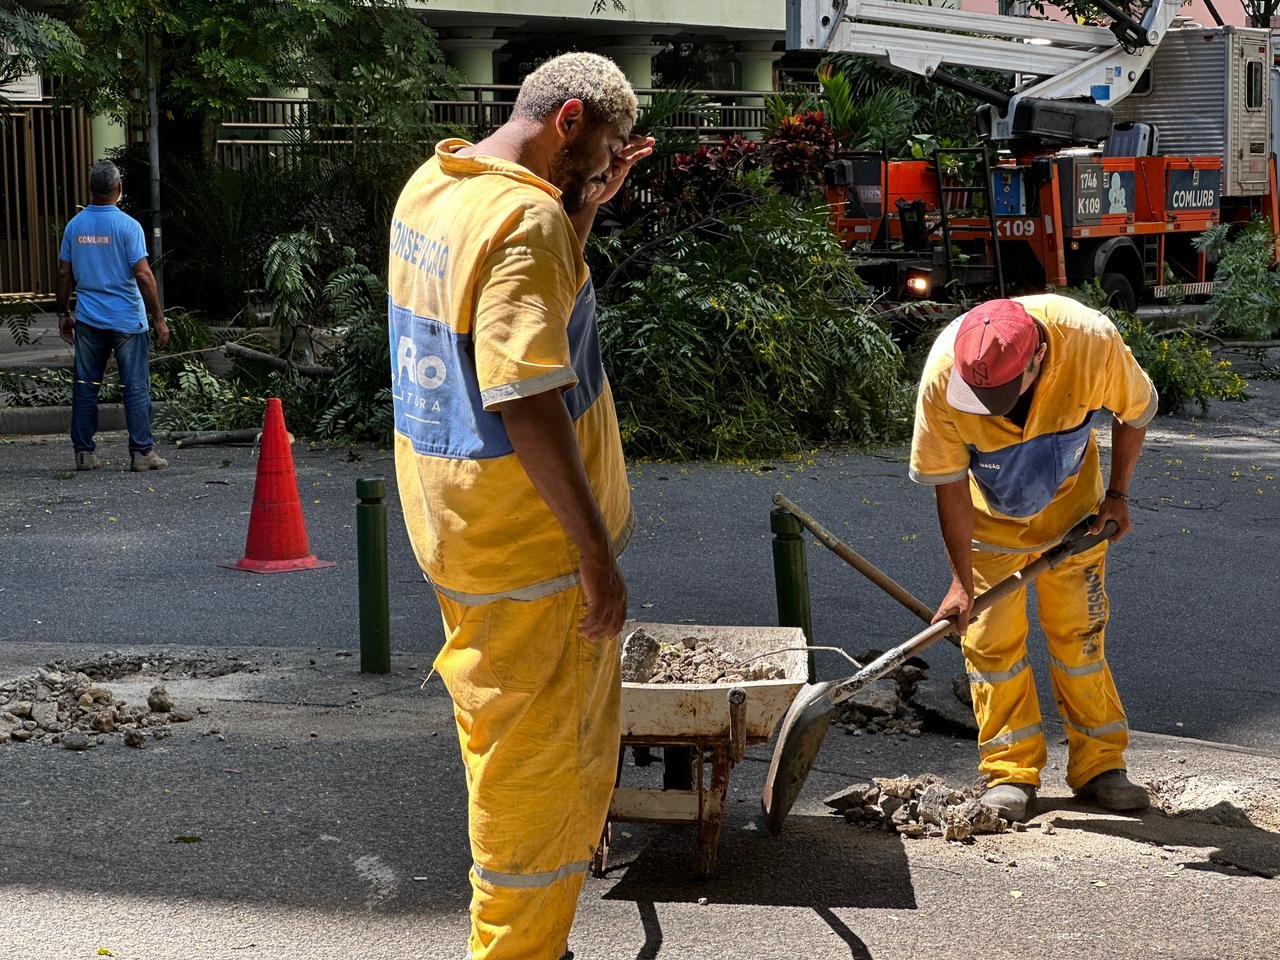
x: 604, y: 90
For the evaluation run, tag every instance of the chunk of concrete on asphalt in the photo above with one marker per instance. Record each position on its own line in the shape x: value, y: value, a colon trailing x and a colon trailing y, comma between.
x: 879, y: 698
x: 853, y: 797
x: 938, y: 703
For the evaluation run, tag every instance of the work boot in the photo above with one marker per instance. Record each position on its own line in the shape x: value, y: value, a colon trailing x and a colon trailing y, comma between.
x: 142, y: 462
x: 86, y: 460
x: 1010, y: 800
x: 1113, y: 790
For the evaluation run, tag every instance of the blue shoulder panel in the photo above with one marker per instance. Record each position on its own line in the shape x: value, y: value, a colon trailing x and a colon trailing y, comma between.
x: 436, y: 391
x: 1019, y: 480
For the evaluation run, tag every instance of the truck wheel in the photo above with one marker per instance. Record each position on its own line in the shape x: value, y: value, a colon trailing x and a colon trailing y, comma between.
x: 1119, y: 291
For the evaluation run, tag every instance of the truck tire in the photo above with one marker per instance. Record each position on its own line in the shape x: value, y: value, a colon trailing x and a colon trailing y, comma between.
x: 1119, y: 291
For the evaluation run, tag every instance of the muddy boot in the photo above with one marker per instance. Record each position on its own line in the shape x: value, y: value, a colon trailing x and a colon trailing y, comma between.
x: 1011, y: 800
x: 1115, y: 791
x: 86, y: 460
x: 141, y: 462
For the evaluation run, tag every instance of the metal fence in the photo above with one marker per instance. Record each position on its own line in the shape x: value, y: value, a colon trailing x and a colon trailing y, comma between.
x: 273, y: 129
x: 45, y: 154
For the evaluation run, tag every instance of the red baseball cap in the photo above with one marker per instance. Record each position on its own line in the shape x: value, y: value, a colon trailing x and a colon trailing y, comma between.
x: 993, y: 347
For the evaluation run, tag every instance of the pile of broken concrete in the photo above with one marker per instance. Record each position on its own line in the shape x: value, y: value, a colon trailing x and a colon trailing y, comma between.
x: 66, y: 707
x: 908, y: 701
x: 687, y: 660
x: 918, y: 807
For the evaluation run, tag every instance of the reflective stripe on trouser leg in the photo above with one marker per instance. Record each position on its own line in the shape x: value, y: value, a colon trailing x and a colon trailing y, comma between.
x: 1073, y: 612
x: 1011, y: 747
x: 537, y: 709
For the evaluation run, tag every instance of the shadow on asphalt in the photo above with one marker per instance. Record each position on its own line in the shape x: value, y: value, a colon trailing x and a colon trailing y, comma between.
x: 1231, y: 838
x: 818, y: 862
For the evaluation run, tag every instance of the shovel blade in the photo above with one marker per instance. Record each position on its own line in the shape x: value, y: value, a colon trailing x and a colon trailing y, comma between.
x: 803, y: 730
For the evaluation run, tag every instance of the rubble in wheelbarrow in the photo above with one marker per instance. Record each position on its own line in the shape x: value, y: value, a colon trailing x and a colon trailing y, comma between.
x: 907, y: 702
x: 923, y: 806
x: 687, y: 660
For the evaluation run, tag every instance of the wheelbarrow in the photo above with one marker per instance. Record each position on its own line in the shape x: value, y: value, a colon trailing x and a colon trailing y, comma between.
x: 706, y: 725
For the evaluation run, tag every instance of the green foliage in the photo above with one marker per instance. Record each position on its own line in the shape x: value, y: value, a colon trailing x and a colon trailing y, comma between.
x: 354, y: 403
x: 860, y: 118
x: 1179, y: 363
x: 33, y: 37
x: 750, y: 339
x: 866, y: 120
x: 1247, y: 300
x: 1181, y: 366
x: 935, y: 109
x: 202, y: 401
x: 289, y: 269
x: 16, y: 316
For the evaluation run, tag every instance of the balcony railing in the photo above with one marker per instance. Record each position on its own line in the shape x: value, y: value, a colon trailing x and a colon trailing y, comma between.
x: 272, y: 128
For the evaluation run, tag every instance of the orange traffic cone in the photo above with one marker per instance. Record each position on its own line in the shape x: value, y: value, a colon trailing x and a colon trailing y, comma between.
x: 277, y: 541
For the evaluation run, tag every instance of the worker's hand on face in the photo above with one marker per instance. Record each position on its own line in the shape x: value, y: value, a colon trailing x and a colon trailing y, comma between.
x: 1113, y: 509
x: 635, y: 150
x: 606, y: 594
x: 956, y: 605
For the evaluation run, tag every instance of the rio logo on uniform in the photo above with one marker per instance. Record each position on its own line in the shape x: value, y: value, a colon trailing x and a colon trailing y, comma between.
x: 426, y: 372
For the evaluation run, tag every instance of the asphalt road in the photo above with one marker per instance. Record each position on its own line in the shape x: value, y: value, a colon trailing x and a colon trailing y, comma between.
x: 112, y: 558
x: 326, y: 820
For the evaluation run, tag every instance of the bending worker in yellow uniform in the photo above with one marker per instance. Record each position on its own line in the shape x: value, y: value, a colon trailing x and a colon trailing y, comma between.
x: 1003, y: 432
x: 511, y: 476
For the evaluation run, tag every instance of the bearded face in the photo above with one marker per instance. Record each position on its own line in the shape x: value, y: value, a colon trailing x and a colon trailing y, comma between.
x: 573, y: 168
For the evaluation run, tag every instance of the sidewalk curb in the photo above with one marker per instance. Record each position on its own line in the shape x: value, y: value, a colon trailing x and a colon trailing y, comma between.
x: 32, y: 421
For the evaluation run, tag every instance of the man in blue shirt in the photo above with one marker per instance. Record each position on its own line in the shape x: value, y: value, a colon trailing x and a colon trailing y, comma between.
x: 104, y: 257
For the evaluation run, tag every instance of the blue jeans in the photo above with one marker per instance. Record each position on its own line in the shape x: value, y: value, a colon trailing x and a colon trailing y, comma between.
x: 94, y: 347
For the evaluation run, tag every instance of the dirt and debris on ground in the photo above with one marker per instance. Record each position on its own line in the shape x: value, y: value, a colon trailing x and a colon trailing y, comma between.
x: 908, y: 701
x: 687, y: 660
x: 924, y: 806
x: 64, y: 703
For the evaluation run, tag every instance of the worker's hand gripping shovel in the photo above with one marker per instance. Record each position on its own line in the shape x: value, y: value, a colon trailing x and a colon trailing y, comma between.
x: 805, y: 725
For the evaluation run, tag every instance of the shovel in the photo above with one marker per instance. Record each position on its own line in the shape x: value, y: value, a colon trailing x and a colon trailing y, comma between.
x: 806, y: 723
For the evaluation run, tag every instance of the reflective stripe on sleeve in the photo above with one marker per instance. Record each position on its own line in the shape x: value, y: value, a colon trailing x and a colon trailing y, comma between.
x: 1000, y: 675
x: 1012, y: 736
x: 1117, y: 726
x: 544, y: 879
x: 1080, y: 670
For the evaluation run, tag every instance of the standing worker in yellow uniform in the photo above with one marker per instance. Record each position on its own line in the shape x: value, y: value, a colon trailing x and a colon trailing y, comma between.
x: 1003, y: 432
x: 511, y: 475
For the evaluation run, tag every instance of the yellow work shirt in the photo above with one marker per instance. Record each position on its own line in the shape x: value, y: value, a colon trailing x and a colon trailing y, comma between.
x: 1031, y: 484
x: 490, y: 300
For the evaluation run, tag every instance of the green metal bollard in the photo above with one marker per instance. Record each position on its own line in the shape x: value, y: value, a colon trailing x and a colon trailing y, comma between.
x: 791, y: 576
x: 371, y: 547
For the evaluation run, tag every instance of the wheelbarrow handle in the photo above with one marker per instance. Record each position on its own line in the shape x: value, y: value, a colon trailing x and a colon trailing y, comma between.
x: 1077, y: 540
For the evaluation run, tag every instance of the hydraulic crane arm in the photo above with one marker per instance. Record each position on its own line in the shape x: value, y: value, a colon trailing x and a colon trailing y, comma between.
x: 1081, y: 66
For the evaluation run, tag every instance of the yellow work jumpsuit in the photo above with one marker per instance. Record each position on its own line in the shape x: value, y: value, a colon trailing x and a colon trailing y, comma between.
x: 1030, y: 484
x: 490, y: 301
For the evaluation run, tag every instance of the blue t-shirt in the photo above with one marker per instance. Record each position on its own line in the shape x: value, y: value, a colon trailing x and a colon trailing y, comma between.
x: 102, y: 243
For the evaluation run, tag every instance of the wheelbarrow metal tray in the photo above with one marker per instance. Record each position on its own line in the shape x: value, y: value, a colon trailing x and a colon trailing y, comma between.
x: 685, y: 711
